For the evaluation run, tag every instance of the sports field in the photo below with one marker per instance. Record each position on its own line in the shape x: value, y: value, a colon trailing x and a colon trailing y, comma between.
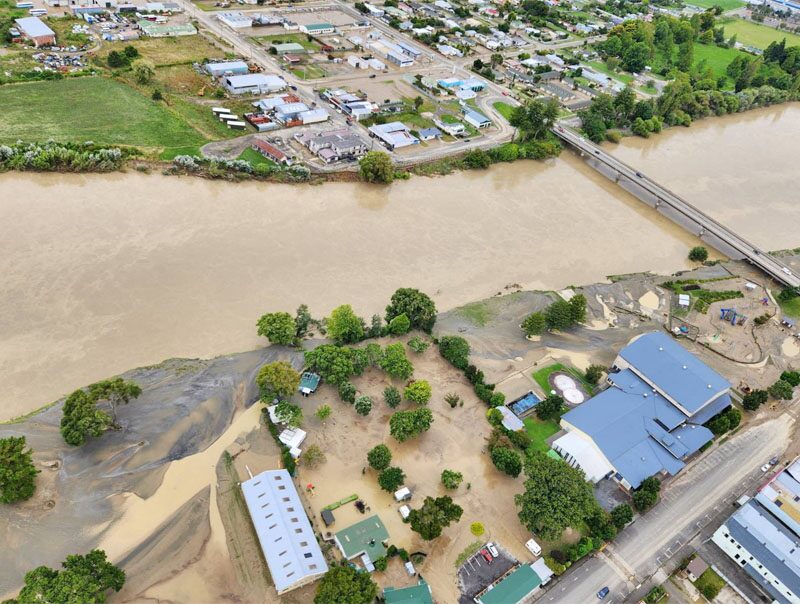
x: 90, y: 108
x: 755, y: 34
x: 725, y: 4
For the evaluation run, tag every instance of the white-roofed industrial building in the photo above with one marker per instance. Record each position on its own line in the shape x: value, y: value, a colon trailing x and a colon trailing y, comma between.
x: 34, y: 29
x: 256, y: 83
x: 289, y: 544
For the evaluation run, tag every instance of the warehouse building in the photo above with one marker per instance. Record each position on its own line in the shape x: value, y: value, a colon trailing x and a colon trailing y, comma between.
x: 34, y: 30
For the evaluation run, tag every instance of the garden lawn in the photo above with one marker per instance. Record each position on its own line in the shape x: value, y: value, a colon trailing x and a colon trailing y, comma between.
x: 89, y: 108
x: 789, y: 307
x: 755, y: 34
x: 301, y: 39
x: 625, y: 78
x: 254, y: 158
x: 709, y: 584
x: 504, y: 109
x: 726, y: 5
x: 308, y: 72
x: 540, y: 431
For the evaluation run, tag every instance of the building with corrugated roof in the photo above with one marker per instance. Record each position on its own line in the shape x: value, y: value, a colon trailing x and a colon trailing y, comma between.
x: 763, y: 536
x: 34, y: 29
x: 284, y: 532
x: 650, y: 419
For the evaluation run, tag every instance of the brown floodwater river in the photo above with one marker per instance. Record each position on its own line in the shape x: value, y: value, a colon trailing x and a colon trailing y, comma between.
x: 101, y: 273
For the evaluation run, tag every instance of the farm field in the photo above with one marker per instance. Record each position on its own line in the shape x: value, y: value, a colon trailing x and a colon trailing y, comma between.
x: 755, y: 34
x: 119, y: 115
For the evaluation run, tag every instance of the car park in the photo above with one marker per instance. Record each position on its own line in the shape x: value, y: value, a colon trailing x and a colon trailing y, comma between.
x: 486, y: 555
x: 492, y: 549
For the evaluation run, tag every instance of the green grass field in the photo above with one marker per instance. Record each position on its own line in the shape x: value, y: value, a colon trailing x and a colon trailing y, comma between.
x: 789, y: 307
x: 725, y: 4
x: 755, y: 34
x: 539, y: 432
x: 715, y: 57
x: 254, y: 158
x: 504, y: 109
x: 301, y: 39
x: 308, y: 72
x: 625, y: 78
x: 90, y: 108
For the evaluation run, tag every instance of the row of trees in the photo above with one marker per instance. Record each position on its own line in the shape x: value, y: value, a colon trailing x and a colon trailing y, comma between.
x: 63, y: 157
x: 560, y: 315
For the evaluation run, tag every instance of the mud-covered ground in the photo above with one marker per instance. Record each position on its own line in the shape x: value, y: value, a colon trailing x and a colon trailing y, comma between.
x: 161, y: 497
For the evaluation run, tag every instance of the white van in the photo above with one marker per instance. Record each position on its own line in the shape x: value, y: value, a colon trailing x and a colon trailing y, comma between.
x: 534, y: 547
x: 37, y: 12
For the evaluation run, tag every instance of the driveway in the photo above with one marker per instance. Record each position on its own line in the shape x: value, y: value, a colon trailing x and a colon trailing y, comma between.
x: 696, y: 500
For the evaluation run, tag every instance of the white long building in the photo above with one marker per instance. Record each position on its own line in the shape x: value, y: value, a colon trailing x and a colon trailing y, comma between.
x: 289, y: 544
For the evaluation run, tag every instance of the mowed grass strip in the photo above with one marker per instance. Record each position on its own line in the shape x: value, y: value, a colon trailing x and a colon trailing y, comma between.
x: 755, y: 34
x: 726, y: 5
x: 89, y: 108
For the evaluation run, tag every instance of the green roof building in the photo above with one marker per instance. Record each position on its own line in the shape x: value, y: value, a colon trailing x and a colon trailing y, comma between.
x: 418, y: 594
x: 308, y: 383
x: 514, y: 588
x: 363, y: 538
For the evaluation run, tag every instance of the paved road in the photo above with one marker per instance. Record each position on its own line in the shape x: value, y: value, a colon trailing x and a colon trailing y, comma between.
x: 690, y: 503
x: 688, y: 215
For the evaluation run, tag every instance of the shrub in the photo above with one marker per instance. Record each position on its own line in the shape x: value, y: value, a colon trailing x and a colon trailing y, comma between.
x: 392, y: 396
x: 363, y: 405
x: 323, y: 412
x: 399, y: 325
x: 157, y: 96
x: 417, y: 344
x: 477, y: 159
x: 474, y: 375
x: 408, y: 424
x: 379, y: 457
x: 550, y: 408
x: 698, y: 254
x: 452, y: 399
x: 792, y: 377
x: 391, y: 479
x: 395, y: 363
x: 347, y: 392
x: 594, y: 373
x: 507, y: 460
x: 497, y: 399
x: 494, y: 417
x: 381, y: 564
x: 521, y: 439
x: 534, y: 324
x: 456, y: 350
x: 313, y: 456
x: 476, y: 528
x: 451, y: 479
x: 418, y: 392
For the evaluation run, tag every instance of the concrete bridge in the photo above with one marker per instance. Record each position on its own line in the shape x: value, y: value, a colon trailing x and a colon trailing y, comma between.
x: 677, y: 209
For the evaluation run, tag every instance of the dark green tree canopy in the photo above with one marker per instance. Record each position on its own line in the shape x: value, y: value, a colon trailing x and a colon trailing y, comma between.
x: 417, y: 306
x: 278, y: 327
x: 408, y: 424
x: 434, y: 516
x: 391, y: 479
x: 376, y: 167
x: 333, y: 363
x: 395, y: 362
x: 83, y: 580
x: 556, y: 496
x: 82, y: 418
x: 379, y: 457
x: 456, y: 350
x: 17, y: 472
x: 345, y: 584
x: 507, y: 460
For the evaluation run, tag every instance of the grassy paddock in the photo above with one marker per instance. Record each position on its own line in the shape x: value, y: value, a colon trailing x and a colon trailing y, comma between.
x: 254, y: 158
x: 504, y: 109
x: 756, y: 34
x: 540, y: 431
x: 90, y: 108
x: 166, y: 51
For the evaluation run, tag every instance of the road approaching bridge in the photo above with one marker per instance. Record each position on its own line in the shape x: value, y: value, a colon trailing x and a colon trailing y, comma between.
x: 678, y: 209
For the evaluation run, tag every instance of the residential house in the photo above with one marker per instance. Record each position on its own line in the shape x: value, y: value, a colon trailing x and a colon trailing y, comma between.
x: 272, y: 153
x: 416, y: 594
x: 476, y: 119
x: 394, y: 135
x: 427, y: 134
x: 331, y: 146
x: 365, y: 540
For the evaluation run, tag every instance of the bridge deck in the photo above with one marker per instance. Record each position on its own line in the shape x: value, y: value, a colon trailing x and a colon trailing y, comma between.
x: 706, y: 225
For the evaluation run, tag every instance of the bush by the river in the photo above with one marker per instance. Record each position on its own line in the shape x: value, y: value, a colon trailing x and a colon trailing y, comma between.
x: 61, y: 157
x: 223, y: 168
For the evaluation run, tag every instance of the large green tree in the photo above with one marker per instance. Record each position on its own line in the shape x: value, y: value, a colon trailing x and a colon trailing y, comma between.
x: 376, y: 166
x: 278, y: 328
x: 277, y: 380
x: 395, y: 362
x: 507, y: 460
x: 344, y: 326
x: 408, y: 424
x: 333, y: 363
x: 417, y: 306
x: 556, y: 496
x: 345, y: 584
x: 391, y: 479
x: 82, y: 580
x: 534, y: 119
x: 434, y: 516
x: 456, y: 350
x: 379, y: 457
x: 115, y: 392
x: 82, y: 418
x: 550, y: 408
x: 17, y: 472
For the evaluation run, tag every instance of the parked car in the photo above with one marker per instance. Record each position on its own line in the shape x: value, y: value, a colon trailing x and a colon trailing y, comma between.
x: 773, y: 461
x: 486, y: 555
x: 603, y: 593
x: 765, y: 467
x: 490, y: 546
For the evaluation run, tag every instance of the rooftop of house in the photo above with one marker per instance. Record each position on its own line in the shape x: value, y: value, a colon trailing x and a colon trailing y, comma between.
x: 416, y: 594
x: 679, y: 374
x: 34, y: 27
x: 514, y: 587
x: 366, y: 537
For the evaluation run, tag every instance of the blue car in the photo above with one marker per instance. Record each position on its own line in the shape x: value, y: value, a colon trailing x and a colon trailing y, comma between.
x: 603, y: 593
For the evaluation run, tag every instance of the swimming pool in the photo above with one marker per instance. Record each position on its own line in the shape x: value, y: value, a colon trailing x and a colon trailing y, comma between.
x: 524, y: 403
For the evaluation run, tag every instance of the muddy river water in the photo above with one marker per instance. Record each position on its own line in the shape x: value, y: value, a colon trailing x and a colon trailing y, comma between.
x: 100, y: 273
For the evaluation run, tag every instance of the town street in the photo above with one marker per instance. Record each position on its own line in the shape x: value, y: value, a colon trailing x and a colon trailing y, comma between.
x: 688, y: 505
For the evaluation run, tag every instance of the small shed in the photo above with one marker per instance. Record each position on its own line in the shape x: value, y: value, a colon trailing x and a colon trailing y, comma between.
x: 309, y: 382
x: 403, y: 494
x: 404, y: 511
x: 328, y: 517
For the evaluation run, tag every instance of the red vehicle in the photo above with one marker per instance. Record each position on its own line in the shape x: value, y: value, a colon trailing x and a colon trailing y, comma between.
x: 486, y: 555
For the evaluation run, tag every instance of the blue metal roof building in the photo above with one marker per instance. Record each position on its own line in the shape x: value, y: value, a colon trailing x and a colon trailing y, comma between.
x: 645, y: 424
